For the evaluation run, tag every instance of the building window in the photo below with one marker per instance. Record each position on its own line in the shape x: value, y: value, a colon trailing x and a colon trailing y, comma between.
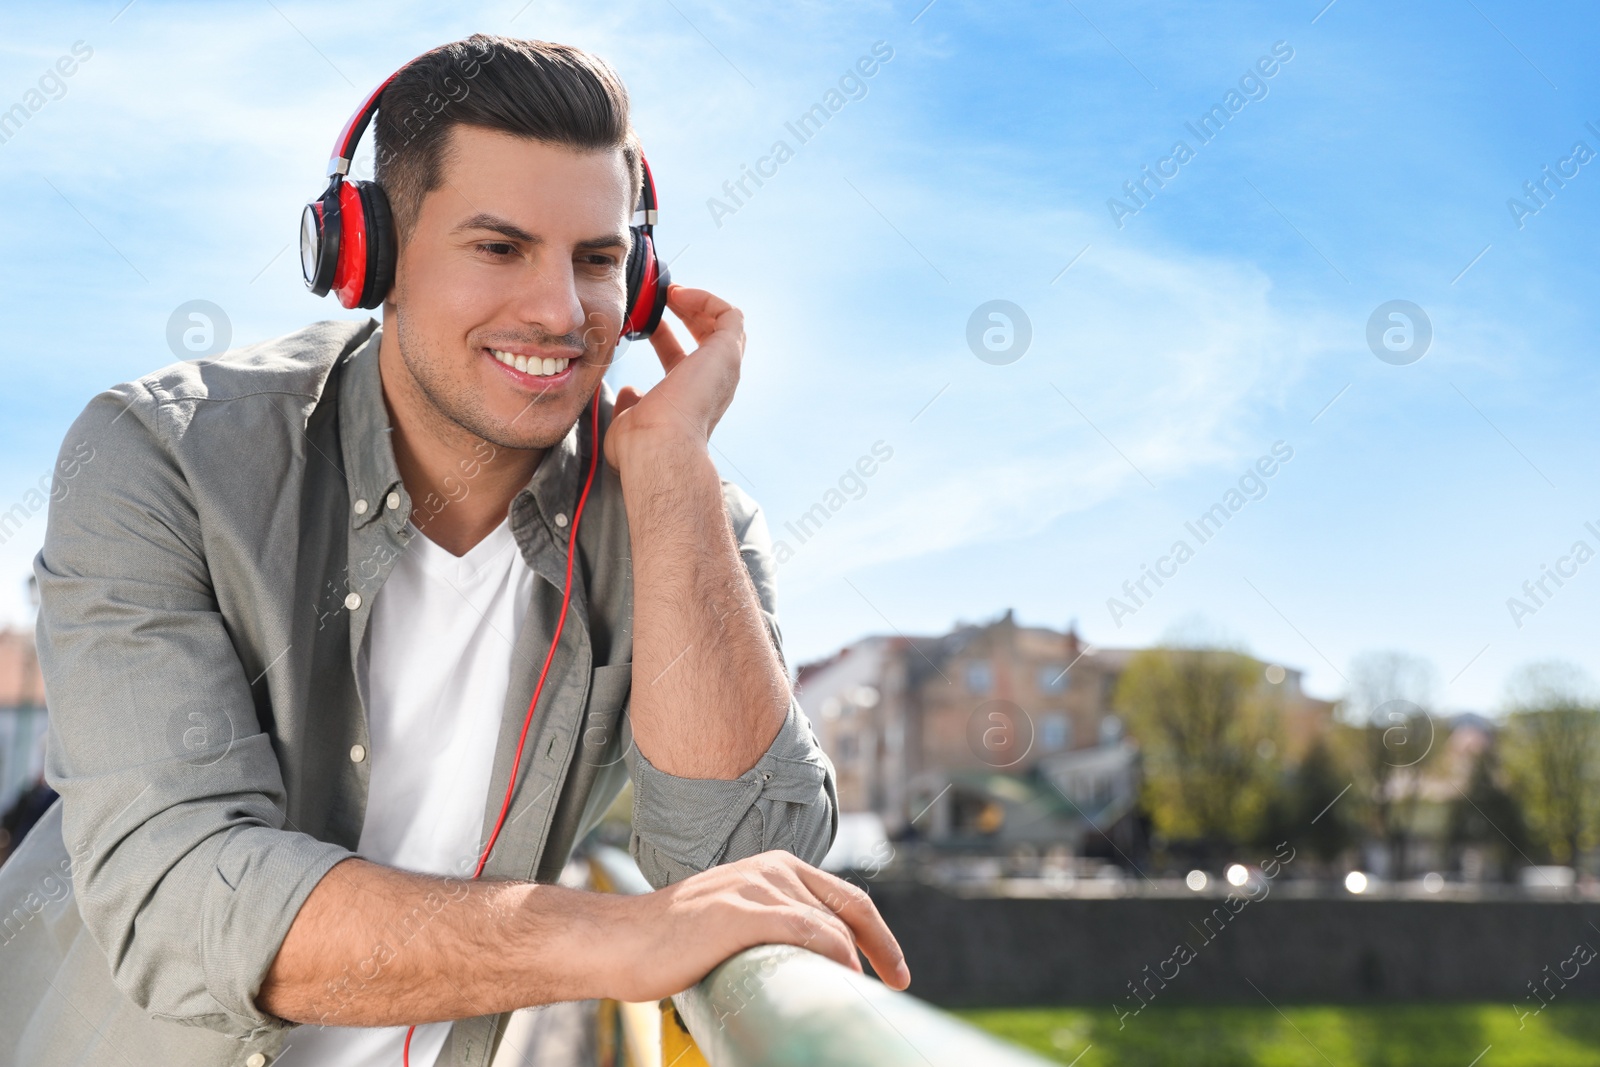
x: 1055, y: 732
x: 1053, y: 678
x: 980, y: 677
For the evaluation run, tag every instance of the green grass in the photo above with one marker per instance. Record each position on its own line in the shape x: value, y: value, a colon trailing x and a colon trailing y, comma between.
x: 1411, y: 1035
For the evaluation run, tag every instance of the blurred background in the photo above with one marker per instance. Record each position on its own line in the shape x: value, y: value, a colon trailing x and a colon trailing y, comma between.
x: 1175, y: 422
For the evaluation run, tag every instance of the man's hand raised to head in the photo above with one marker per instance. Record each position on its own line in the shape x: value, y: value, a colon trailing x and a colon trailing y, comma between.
x: 710, y: 694
x: 699, y: 385
x: 709, y: 691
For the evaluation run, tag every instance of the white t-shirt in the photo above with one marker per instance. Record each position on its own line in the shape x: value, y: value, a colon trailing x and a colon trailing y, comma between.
x: 437, y: 665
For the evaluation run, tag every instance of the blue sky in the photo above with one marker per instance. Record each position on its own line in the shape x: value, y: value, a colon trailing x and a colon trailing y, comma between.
x: 1227, y: 314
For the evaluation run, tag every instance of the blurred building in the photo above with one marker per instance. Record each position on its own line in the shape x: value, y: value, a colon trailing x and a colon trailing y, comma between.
x: 995, y: 736
x: 1428, y: 796
x: 22, y: 715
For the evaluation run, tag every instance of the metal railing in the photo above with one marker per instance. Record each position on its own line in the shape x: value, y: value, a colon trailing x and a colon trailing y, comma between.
x: 777, y: 1006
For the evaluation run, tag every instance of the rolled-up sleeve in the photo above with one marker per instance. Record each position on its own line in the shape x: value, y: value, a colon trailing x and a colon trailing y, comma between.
x: 172, y: 797
x: 787, y: 801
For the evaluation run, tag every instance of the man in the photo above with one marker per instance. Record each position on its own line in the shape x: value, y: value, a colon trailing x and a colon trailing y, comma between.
x: 293, y: 614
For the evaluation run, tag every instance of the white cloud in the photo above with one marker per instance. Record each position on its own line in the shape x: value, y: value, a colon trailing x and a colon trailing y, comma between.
x: 1178, y: 358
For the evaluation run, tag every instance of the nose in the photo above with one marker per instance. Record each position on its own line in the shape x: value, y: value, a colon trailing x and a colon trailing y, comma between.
x: 547, y: 297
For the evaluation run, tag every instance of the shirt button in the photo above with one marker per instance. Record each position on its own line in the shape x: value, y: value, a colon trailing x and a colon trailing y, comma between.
x: 392, y: 501
x: 353, y: 601
x: 361, y: 507
x: 256, y: 1060
x: 561, y: 518
x: 357, y: 753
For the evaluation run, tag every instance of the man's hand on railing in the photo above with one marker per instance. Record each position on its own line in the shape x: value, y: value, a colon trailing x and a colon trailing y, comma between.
x: 671, y: 938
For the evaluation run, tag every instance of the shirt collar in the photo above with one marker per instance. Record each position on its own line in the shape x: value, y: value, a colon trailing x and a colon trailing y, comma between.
x: 369, y: 467
x: 552, y: 492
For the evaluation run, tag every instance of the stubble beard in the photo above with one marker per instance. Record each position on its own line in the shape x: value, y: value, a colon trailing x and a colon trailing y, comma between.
x: 460, y: 408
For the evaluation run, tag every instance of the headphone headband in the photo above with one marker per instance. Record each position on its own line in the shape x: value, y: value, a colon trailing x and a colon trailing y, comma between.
x: 344, y: 147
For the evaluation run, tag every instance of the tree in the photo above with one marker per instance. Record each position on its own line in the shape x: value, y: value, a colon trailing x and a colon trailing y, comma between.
x: 1489, y: 817
x: 1552, y: 754
x: 1389, y: 705
x: 1314, y: 806
x: 1204, y: 723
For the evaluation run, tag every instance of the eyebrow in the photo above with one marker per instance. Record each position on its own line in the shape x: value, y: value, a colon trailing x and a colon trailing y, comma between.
x: 485, y: 221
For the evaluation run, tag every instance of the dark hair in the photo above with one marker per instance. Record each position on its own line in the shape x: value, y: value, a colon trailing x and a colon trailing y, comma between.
x: 549, y: 92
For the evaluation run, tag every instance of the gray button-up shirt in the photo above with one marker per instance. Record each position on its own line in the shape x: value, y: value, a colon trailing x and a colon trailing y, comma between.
x: 205, y: 587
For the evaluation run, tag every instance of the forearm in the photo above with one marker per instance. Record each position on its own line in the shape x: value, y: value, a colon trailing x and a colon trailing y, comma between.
x: 375, y: 946
x: 709, y: 692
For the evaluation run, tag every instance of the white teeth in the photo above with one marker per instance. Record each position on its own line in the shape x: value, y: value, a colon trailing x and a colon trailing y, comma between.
x: 536, y: 366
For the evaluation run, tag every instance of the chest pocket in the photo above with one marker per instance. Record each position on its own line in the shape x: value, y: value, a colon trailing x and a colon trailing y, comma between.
x: 605, y: 735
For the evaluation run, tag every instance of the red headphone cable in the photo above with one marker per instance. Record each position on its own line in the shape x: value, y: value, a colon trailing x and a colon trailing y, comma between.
x: 561, y: 621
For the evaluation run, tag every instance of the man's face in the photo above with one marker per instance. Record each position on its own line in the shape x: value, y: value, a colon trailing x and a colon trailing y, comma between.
x: 520, y: 254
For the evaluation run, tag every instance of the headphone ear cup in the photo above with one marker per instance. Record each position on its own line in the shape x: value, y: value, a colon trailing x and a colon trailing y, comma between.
x: 381, y: 244
x: 319, y: 242
x: 641, y: 250
x: 350, y: 274
x: 657, y: 287
x: 648, y: 281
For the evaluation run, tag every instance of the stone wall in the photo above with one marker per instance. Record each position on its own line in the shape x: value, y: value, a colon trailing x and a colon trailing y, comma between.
x: 966, y: 952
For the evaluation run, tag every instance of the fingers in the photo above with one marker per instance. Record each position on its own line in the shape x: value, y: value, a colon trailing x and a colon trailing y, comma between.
x: 821, y: 932
x: 627, y: 396
x: 668, y: 350
x: 855, y: 908
x: 698, y: 304
x: 858, y: 921
x: 706, y: 313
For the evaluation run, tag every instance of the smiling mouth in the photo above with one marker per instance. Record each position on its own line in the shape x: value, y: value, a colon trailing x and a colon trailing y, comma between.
x: 532, y: 366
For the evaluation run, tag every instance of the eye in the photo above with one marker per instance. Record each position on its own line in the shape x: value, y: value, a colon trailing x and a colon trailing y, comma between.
x: 497, y: 248
x: 599, y: 259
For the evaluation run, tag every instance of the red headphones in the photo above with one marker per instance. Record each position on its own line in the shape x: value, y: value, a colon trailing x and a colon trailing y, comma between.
x: 348, y: 242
